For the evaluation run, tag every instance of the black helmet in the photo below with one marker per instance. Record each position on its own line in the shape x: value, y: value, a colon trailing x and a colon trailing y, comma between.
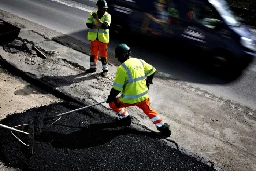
x: 102, y: 4
x: 122, y: 50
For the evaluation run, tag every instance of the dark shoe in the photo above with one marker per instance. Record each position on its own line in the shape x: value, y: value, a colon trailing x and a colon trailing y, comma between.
x: 104, y: 74
x: 91, y: 70
x: 124, y: 122
x: 165, y: 130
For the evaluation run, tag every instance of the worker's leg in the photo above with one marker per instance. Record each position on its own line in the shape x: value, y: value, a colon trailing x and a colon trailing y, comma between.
x: 155, y: 118
x: 103, y: 50
x: 94, y: 47
x: 120, y: 109
x: 151, y: 113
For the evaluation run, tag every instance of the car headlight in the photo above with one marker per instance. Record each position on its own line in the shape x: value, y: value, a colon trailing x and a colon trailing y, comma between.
x: 248, y: 43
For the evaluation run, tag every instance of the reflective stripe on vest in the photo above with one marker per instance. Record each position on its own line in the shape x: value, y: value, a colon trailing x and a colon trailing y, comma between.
x: 118, y: 85
x: 101, y: 34
x: 98, y: 31
x: 134, y: 97
x: 132, y: 80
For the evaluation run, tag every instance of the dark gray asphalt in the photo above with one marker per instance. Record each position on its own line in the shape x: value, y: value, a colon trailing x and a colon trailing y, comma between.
x: 91, y: 141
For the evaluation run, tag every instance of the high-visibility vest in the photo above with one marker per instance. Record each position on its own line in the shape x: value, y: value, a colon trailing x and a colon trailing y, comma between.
x: 102, y: 34
x: 131, y: 80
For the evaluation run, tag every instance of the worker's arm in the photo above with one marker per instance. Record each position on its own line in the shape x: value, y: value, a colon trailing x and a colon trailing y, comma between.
x: 149, y: 72
x: 89, y: 22
x: 103, y: 24
x: 89, y: 25
x: 149, y: 79
x: 112, y: 95
x: 118, y: 84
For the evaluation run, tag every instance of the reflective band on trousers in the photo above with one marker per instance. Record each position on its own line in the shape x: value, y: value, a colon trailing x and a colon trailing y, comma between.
x: 92, y: 65
x: 121, y: 116
x: 160, y: 124
x: 156, y: 119
x: 105, y: 67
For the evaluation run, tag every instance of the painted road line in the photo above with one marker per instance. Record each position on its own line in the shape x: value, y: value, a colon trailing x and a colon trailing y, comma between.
x: 76, y: 5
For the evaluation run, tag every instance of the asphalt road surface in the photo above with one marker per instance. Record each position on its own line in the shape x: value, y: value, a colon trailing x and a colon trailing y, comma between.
x: 69, y: 17
x: 92, y: 141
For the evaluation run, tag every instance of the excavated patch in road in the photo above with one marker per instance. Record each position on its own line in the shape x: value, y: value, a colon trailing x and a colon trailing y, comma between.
x: 88, y: 140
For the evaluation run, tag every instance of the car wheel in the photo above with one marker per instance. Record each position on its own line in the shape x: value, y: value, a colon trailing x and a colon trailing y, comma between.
x: 222, y: 61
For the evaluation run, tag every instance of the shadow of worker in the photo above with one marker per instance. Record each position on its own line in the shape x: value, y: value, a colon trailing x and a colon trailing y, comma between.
x: 93, y: 135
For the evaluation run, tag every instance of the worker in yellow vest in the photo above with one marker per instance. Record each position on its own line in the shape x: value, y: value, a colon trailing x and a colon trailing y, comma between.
x: 98, y: 23
x: 132, y: 80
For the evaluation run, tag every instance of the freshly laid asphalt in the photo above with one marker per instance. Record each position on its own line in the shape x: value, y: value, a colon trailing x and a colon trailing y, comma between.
x: 89, y: 140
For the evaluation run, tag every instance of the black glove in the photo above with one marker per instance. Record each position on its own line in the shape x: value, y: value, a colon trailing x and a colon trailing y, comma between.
x: 110, y: 99
x: 149, y: 80
x: 112, y: 95
x: 147, y: 84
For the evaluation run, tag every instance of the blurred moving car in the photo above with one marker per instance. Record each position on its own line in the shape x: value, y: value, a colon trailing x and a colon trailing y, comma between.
x: 207, y: 24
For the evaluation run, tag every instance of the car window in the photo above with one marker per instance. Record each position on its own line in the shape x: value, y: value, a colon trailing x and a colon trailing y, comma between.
x: 202, y: 13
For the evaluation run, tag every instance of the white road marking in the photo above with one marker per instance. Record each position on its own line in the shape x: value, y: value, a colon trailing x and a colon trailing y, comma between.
x: 76, y: 5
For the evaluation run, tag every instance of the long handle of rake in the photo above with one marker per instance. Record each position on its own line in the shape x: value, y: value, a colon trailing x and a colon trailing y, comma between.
x: 14, y: 129
x: 61, y: 114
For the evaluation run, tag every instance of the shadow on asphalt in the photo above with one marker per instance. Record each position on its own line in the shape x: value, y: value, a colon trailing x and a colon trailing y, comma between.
x: 90, y: 140
x: 92, y: 135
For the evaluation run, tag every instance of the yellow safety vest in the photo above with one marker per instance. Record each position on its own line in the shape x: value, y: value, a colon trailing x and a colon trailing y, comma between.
x: 102, y: 34
x: 131, y: 80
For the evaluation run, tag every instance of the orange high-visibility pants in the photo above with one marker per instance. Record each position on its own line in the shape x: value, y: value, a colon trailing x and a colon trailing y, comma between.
x: 98, y: 48
x: 119, y: 107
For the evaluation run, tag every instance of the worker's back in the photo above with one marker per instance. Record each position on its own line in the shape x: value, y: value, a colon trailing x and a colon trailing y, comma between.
x: 135, y: 80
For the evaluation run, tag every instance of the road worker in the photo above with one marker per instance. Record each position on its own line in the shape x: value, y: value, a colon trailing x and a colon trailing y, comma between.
x: 132, y: 80
x: 98, y: 23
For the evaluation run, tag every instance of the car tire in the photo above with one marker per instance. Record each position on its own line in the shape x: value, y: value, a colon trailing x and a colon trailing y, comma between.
x: 221, y: 61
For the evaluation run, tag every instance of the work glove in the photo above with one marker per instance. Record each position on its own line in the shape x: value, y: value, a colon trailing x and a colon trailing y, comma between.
x: 149, y: 80
x: 110, y: 99
x: 147, y: 84
x: 112, y: 95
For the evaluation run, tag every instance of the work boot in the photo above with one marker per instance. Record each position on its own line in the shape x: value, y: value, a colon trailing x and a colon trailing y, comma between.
x: 124, y: 122
x: 104, y: 73
x: 165, y: 130
x: 91, y: 70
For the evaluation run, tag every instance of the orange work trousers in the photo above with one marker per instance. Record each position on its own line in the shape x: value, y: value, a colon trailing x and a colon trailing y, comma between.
x: 119, y: 107
x: 99, y: 48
